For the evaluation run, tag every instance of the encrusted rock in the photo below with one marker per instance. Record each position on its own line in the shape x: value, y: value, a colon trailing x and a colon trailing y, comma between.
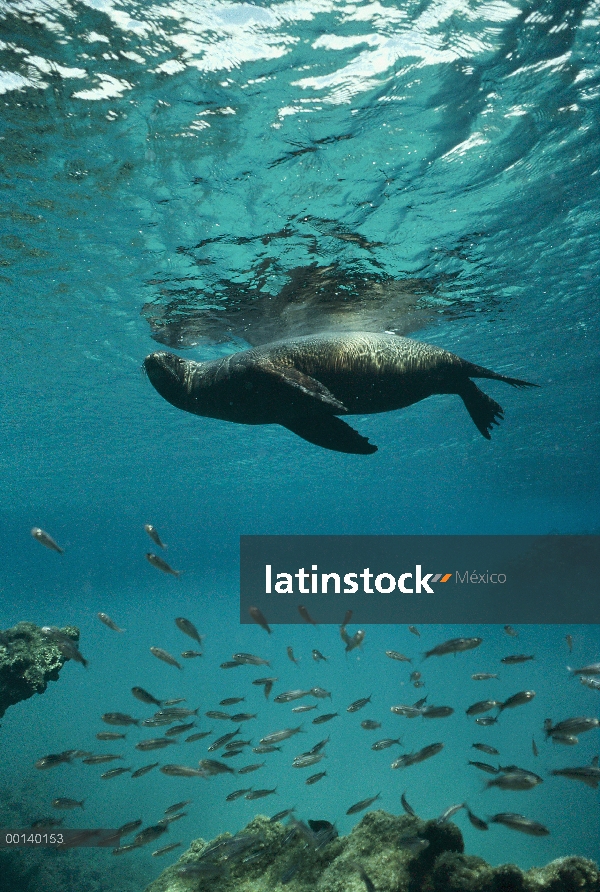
x: 28, y: 661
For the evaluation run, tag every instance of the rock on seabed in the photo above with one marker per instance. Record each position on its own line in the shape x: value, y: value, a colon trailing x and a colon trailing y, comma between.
x: 376, y: 844
x: 28, y: 661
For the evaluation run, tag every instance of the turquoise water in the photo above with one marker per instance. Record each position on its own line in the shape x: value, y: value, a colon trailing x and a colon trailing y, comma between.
x: 221, y: 174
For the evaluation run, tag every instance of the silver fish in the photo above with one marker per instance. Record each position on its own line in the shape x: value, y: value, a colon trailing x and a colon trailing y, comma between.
x: 281, y: 815
x: 158, y: 562
x: 237, y: 794
x: 307, y: 759
x: 156, y: 743
x: 356, y: 641
x: 364, y: 803
x: 358, y: 704
x: 181, y: 771
x: 483, y: 766
x: 414, y: 758
x: 161, y: 654
x: 250, y: 660
x: 306, y: 615
x: 105, y: 618
x: 573, y: 726
x: 144, y: 770
x: 519, y: 822
x: 44, y: 539
x: 100, y: 759
x: 221, y: 741
x: 453, y: 646
x: 164, y: 849
x: 386, y: 743
x: 409, y: 712
x: 172, y: 809
x: 278, y: 736
x: 259, y: 617
x: 314, y: 778
x: 483, y: 706
x: 260, y: 794
x: 588, y: 774
x: 212, y: 767
x: 515, y: 780
x: 180, y: 729
x: 407, y: 808
x: 153, y: 533
x: 188, y: 628
x: 144, y: 697
x: 149, y: 834
x: 436, y: 712
x: 475, y: 821
x: 514, y: 659
x: 591, y: 669
x: 53, y: 759
x: 247, y: 769
x: 449, y: 813
x: 114, y: 772
x: 119, y: 718
x: 288, y: 696
x: 395, y: 655
x: 486, y: 748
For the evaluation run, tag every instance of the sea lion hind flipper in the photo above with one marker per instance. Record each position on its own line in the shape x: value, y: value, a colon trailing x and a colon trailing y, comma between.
x: 479, y: 371
x: 299, y: 381
x: 330, y: 432
x: 484, y: 411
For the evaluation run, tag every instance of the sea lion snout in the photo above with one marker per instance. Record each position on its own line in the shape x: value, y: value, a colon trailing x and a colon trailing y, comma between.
x: 164, y: 368
x: 166, y: 373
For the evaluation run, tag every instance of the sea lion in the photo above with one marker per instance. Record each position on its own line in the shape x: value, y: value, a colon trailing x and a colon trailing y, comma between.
x: 305, y: 384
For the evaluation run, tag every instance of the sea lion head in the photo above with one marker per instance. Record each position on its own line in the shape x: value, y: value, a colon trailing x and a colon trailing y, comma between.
x: 167, y: 374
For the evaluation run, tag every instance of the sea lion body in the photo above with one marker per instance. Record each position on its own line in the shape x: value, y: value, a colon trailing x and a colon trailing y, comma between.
x: 306, y: 383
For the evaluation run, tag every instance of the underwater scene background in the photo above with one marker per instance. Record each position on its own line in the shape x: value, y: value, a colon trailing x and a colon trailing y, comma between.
x: 207, y: 176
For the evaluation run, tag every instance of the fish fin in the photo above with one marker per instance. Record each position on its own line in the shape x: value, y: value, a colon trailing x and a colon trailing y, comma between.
x: 484, y: 411
x: 305, y: 384
x: 330, y: 432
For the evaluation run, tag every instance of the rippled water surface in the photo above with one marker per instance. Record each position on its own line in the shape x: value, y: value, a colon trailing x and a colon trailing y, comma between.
x: 206, y: 176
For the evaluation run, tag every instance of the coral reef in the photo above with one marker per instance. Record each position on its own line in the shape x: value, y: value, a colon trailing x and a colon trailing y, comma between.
x: 28, y: 661
x: 384, y: 853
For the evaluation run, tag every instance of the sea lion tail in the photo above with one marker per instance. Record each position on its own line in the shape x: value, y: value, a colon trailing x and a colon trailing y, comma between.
x: 484, y: 411
x: 478, y: 371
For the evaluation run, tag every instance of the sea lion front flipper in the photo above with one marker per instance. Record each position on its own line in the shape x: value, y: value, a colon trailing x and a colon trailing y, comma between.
x: 484, y: 411
x: 311, y: 387
x: 330, y: 432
